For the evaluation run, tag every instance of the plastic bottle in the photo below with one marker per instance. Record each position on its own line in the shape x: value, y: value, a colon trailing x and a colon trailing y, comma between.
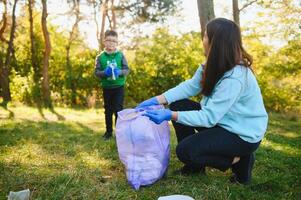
x: 113, y: 65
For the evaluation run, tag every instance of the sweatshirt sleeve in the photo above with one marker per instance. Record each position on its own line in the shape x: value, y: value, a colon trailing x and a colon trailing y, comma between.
x: 124, y: 66
x: 215, y: 107
x: 185, y: 89
x: 97, y: 70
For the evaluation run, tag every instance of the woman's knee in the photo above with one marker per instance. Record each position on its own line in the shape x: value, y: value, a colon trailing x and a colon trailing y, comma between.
x: 178, y: 105
x: 184, y: 105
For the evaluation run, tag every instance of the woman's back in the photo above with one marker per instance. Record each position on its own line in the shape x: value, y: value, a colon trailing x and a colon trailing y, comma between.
x: 247, y: 116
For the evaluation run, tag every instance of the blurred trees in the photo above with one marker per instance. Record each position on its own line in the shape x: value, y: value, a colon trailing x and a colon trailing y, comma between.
x: 206, y: 13
x: 45, y: 80
x: 6, y: 56
x: 279, y: 68
x: 158, y: 62
x: 161, y: 62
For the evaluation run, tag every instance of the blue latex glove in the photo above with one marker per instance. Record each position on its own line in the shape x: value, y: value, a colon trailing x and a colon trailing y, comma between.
x: 108, y: 71
x: 117, y: 72
x: 158, y: 116
x: 149, y: 102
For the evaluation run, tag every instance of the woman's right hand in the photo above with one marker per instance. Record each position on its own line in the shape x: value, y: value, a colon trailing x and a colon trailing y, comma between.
x: 149, y: 102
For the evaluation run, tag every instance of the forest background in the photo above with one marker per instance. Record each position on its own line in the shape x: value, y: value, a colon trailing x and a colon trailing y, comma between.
x: 46, y: 63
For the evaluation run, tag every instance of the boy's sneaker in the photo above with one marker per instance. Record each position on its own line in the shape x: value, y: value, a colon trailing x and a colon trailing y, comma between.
x: 107, y: 135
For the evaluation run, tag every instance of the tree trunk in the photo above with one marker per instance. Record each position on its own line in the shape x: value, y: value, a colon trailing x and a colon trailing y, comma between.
x: 72, y: 37
x: 111, y: 18
x: 103, y: 22
x: 5, y: 69
x: 97, y: 25
x: 3, y: 41
x: 34, y: 60
x: 113, y: 15
x: 45, y: 80
x: 206, y: 13
x: 3, y: 22
x: 235, y: 12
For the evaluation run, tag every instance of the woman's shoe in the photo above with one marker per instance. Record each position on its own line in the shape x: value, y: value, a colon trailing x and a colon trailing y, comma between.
x: 188, y: 170
x: 242, y: 170
x: 234, y: 179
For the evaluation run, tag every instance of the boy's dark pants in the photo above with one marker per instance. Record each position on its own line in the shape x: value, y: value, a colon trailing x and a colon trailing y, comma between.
x: 215, y: 147
x: 113, y: 103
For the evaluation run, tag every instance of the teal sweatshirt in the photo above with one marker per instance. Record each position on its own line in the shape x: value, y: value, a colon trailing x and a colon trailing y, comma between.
x: 235, y: 104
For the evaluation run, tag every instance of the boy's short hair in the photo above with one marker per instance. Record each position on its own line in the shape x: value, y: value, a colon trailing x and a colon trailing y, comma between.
x: 111, y: 33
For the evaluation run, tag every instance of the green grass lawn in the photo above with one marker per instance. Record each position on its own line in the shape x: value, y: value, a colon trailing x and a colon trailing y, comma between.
x: 67, y: 159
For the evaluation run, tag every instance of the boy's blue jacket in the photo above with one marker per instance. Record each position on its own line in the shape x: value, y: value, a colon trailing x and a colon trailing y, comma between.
x: 235, y: 104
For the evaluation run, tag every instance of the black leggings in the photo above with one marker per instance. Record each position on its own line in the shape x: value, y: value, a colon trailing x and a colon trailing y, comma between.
x: 214, y: 147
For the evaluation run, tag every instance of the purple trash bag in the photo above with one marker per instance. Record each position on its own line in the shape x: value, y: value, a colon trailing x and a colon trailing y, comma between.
x: 143, y: 146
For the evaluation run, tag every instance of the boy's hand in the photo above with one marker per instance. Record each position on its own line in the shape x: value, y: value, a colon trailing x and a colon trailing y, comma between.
x: 117, y: 72
x: 158, y: 116
x: 108, y: 71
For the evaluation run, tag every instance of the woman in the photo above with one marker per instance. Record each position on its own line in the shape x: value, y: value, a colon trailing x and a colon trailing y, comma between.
x: 226, y: 127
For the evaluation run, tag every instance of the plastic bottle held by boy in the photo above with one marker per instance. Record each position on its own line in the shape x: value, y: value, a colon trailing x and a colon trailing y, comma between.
x: 113, y: 65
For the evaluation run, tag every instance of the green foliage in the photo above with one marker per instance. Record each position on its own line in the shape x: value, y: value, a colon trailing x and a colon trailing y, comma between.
x: 278, y: 73
x: 32, y: 93
x: 158, y: 62
x: 147, y: 10
x: 163, y: 61
x: 23, y: 85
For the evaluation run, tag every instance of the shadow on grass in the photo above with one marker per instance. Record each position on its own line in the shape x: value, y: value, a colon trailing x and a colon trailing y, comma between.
x: 277, y: 173
x: 59, y: 116
x: 57, y: 138
x: 11, y: 114
x: 52, y: 110
x: 277, y: 167
x: 48, y: 184
x: 65, y: 142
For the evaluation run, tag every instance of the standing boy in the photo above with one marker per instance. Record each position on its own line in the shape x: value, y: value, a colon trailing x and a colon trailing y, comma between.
x: 111, y: 68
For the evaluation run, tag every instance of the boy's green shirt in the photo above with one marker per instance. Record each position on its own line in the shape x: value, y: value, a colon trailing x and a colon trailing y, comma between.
x: 103, y: 59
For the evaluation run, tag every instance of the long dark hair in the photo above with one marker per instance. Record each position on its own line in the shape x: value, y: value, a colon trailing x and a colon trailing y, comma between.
x: 225, y: 51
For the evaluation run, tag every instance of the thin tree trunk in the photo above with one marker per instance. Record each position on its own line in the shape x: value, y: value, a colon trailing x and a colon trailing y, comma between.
x: 72, y: 37
x: 34, y: 61
x: 3, y: 41
x: 5, y: 69
x: 103, y: 22
x: 45, y: 81
x: 97, y: 25
x: 3, y: 22
x: 206, y: 13
x: 113, y: 15
x: 235, y: 12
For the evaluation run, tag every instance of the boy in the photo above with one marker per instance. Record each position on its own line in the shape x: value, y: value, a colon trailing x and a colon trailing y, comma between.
x: 111, y: 68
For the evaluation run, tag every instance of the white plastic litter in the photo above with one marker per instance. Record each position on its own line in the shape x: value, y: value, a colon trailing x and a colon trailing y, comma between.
x: 176, y: 197
x: 20, y: 195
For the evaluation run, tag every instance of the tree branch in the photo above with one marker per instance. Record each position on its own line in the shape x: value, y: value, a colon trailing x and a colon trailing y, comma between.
x: 247, y: 4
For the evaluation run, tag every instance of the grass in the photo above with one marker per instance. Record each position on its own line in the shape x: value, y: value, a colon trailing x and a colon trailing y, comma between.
x: 68, y: 159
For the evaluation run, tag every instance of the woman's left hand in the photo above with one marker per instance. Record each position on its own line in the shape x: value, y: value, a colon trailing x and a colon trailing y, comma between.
x: 158, y: 116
